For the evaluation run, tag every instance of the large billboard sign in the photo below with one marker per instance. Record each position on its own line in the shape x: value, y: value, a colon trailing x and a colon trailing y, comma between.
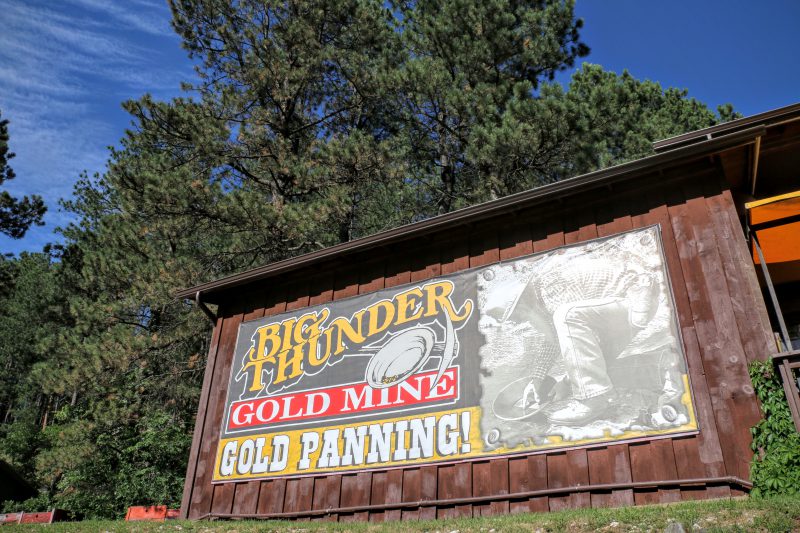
x: 575, y: 346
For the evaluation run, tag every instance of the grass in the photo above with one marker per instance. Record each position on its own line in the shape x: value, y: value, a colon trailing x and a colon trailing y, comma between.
x: 746, y: 514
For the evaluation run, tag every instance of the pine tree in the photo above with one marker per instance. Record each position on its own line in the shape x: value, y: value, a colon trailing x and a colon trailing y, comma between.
x: 16, y: 215
x: 471, y: 66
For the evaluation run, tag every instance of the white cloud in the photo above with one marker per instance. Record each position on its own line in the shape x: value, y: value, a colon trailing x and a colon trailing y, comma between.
x: 145, y: 18
x: 64, y: 69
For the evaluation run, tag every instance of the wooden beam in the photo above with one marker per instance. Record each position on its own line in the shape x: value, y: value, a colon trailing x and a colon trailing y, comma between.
x: 754, y: 167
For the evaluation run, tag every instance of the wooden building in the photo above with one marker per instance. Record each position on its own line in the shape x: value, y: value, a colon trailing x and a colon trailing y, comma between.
x: 701, y: 189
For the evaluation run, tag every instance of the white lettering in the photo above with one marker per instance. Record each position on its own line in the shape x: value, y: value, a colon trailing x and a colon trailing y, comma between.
x: 421, y: 437
x: 329, y: 456
x: 354, y: 445
x: 400, y: 447
x: 446, y: 439
x: 261, y: 463
x: 380, y: 442
x: 309, y: 442
x: 310, y: 400
x: 280, y: 453
x: 245, y: 461
x: 228, y: 459
x: 350, y: 396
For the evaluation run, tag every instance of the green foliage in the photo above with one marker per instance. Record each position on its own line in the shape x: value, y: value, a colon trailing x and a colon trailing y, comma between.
x: 16, y: 215
x: 775, y: 468
x: 618, y: 116
x: 139, y: 464
x: 31, y: 505
x: 467, y: 89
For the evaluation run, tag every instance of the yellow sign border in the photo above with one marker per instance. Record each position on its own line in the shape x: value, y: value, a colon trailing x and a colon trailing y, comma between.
x: 475, y: 442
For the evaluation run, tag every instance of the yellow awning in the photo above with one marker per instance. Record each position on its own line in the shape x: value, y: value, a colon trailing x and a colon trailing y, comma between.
x: 776, y: 222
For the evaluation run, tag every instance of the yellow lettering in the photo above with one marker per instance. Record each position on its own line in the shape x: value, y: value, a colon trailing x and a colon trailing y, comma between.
x: 290, y: 364
x: 287, y: 325
x: 297, y: 342
x: 373, y: 326
x: 437, y: 296
x: 314, y: 357
x: 259, y: 355
x: 408, y: 301
x: 344, y: 328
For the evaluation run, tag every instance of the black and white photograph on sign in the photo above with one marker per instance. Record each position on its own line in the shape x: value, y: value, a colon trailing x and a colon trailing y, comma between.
x: 581, y: 343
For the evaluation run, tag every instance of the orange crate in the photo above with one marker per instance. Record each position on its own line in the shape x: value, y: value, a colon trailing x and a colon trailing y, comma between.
x: 152, y: 513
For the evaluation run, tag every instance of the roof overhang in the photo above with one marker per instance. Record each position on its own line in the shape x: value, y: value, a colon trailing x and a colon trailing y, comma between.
x: 774, y: 117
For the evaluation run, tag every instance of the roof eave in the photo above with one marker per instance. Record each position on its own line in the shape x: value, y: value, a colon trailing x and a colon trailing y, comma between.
x: 767, y: 118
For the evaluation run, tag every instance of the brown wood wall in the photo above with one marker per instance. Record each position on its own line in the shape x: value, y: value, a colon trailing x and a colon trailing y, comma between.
x: 722, y: 317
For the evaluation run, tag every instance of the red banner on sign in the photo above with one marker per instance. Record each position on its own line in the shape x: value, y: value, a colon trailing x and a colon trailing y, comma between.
x: 344, y: 400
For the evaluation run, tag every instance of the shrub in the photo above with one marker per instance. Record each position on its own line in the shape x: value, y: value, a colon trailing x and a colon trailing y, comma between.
x: 776, y: 465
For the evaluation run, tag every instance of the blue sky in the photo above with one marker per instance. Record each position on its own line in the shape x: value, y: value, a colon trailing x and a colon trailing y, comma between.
x: 66, y: 65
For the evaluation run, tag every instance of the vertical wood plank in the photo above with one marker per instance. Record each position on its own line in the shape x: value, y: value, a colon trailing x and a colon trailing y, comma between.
x: 610, y: 464
x: 411, y: 491
x: 481, y: 486
x: 642, y: 470
x: 200, y: 421
x: 584, y: 228
x: 517, y: 482
x: 378, y: 494
x: 688, y: 463
x: 222, y: 498
x: 548, y: 235
x: 463, y: 487
x: 715, y: 325
x: 500, y: 485
x: 327, y: 490
x: 272, y: 492
x: 394, y: 493
x: 654, y: 461
x: 537, y: 480
x: 299, y: 494
x: 483, y: 249
x: 428, y: 489
x: 355, y: 493
x: 749, y: 308
x: 398, y: 272
x: 345, y: 284
x: 456, y: 481
x: 558, y: 477
x: 245, y: 498
x: 455, y: 257
x: 702, y: 454
x: 271, y: 496
x: 421, y: 484
x: 203, y: 500
x: 578, y: 476
x: 446, y: 486
x: 371, y: 278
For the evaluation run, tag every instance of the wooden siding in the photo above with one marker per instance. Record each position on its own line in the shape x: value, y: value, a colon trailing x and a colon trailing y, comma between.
x: 722, y: 319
